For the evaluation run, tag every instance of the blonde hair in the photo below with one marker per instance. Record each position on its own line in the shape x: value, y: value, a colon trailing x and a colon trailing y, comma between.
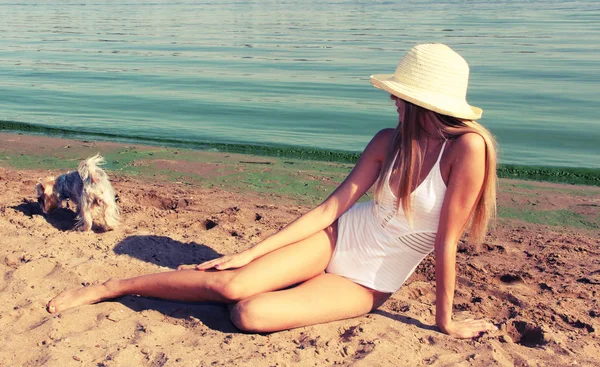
x: 406, y: 150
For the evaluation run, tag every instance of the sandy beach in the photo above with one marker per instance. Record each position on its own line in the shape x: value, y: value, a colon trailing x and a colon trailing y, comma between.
x: 536, y: 277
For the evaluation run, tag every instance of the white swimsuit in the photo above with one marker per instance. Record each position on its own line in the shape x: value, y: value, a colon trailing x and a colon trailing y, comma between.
x: 377, y: 247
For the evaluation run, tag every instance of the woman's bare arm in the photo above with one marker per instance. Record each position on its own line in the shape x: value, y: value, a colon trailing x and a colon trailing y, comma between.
x: 360, y: 179
x: 467, y: 172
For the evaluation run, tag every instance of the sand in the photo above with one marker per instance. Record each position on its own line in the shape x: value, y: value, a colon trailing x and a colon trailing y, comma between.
x: 537, y: 282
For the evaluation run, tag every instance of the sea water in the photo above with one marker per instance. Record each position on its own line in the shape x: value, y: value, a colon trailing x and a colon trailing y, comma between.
x: 295, y: 73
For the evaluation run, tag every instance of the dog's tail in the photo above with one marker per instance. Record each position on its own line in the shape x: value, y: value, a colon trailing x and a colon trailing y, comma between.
x: 89, y: 169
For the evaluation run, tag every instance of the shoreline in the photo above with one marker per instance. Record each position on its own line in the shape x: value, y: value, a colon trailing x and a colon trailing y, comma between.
x: 569, y: 175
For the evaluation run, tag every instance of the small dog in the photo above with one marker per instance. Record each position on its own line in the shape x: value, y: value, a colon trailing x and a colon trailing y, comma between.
x: 88, y: 187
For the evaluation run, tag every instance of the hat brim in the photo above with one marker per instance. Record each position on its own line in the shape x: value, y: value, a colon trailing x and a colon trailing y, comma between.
x: 427, y: 99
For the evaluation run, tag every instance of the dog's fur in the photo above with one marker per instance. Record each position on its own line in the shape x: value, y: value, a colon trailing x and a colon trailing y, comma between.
x: 88, y: 187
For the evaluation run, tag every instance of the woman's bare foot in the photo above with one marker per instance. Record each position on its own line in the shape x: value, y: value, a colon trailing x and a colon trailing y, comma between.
x: 83, y: 296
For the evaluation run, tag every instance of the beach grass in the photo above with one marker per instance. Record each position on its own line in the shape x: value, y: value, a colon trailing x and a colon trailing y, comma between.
x: 555, y: 218
x: 575, y: 176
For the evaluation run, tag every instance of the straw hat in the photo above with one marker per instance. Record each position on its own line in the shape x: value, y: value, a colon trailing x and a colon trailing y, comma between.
x: 432, y: 76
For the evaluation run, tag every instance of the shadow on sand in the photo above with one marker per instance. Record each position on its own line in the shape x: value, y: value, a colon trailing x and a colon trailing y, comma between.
x: 62, y: 219
x: 167, y: 252
x: 214, y: 316
x: 406, y: 320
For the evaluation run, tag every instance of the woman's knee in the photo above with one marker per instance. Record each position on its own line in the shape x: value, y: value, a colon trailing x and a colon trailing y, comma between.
x: 248, y: 316
x: 233, y: 288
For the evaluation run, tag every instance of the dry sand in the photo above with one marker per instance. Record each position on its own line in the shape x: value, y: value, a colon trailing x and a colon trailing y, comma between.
x: 537, y: 282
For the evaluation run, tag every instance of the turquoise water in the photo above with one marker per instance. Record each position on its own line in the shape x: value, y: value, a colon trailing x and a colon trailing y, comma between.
x: 296, y: 73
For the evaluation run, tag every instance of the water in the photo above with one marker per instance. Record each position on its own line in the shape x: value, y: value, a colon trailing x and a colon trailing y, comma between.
x: 296, y: 72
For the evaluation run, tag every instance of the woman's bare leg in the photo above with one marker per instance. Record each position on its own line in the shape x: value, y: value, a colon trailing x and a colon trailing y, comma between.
x: 279, y: 269
x: 324, y: 298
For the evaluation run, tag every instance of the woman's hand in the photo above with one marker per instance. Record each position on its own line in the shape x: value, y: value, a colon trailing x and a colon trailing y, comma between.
x: 226, y: 262
x: 468, y: 328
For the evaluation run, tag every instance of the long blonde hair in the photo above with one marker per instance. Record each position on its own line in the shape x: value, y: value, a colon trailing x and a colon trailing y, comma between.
x: 406, y: 151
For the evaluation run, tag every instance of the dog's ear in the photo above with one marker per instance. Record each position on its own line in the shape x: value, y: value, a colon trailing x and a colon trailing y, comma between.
x: 39, y: 188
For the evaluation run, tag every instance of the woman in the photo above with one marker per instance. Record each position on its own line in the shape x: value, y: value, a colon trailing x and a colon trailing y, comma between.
x: 435, y: 173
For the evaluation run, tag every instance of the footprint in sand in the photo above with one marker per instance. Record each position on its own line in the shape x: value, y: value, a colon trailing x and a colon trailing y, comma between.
x: 526, y: 333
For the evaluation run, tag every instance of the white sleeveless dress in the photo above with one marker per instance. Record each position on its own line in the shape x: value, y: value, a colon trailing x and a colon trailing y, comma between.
x: 376, y: 246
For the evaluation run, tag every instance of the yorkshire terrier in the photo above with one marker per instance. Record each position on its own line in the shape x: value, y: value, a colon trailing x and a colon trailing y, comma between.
x: 88, y: 188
